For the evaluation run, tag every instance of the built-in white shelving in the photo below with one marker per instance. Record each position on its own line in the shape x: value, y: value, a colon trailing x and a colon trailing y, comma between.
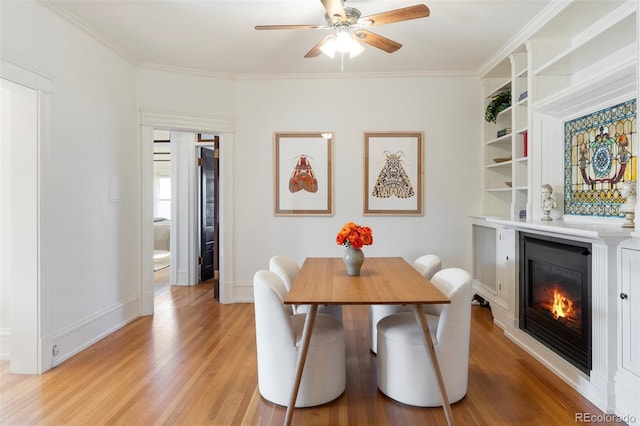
x: 582, y: 58
x: 593, y: 44
x: 502, y: 158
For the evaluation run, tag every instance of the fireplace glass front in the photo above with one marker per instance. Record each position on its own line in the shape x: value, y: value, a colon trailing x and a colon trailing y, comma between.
x: 555, y: 296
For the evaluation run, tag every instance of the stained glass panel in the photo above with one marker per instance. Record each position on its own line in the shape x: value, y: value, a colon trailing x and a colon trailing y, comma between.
x: 600, y: 152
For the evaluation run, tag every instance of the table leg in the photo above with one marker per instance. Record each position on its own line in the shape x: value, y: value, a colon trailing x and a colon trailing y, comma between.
x: 302, y: 356
x: 431, y: 351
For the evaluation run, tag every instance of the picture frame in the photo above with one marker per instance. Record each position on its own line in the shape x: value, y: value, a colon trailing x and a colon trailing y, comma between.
x: 393, y: 173
x: 303, y: 174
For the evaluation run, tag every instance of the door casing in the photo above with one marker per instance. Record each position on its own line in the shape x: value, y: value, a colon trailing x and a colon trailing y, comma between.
x: 150, y: 119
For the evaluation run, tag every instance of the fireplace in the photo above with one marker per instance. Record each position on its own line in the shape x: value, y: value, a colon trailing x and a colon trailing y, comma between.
x: 555, y: 295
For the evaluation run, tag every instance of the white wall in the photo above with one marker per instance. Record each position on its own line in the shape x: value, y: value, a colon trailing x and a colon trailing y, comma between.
x: 185, y: 93
x: 5, y: 289
x: 445, y: 109
x: 90, y: 203
x: 89, y: 178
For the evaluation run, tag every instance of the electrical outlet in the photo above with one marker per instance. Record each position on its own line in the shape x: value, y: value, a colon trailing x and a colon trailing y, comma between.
x: 55, y: 351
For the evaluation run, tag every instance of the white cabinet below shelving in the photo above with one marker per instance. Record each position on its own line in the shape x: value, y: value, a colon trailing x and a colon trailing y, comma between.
x: 494, y: 269
x: 628, y: 363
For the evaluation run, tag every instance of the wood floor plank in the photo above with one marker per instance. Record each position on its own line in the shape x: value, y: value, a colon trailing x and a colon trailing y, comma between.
x: 194, y: 363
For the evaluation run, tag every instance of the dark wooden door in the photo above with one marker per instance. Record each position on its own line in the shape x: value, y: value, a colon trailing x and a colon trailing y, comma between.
x: 209, y: 173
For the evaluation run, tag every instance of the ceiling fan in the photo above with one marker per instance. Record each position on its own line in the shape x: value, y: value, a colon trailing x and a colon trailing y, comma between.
x: 350, y: 28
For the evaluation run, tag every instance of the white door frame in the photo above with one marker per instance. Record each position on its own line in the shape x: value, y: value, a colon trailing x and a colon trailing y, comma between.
x: 168, y: 120
x: 22, y: 228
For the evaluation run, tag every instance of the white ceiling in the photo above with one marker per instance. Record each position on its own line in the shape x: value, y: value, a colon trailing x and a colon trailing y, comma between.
x: 218, y: 36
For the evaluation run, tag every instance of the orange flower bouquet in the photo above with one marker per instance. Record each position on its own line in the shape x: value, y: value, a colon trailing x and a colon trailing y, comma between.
x: 356, y: 236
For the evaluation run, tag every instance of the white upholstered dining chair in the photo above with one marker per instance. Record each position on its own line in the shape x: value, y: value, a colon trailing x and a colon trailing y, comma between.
x: 404, y: 369
x: 279, y: 340
x: 287, y: 269
x: 427, y: 265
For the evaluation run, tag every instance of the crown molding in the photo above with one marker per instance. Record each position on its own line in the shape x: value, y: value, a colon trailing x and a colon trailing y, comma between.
x: 552, y: 9
x: 183, y: 70
x: 356, y: 75
x: 60, y: 11
x: 190, y: 122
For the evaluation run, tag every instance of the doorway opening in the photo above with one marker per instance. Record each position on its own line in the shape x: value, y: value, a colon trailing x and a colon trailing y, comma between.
x: 184, y: 187
x: 185, y: 210
x: 25, y: 128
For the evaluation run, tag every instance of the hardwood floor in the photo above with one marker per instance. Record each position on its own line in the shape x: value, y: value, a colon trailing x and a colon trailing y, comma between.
x: 161, y: 279
x: 194, y: 363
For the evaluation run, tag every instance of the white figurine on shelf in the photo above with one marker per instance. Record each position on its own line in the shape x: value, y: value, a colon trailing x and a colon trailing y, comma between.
x: 628, y: 191
x: 547, y: 202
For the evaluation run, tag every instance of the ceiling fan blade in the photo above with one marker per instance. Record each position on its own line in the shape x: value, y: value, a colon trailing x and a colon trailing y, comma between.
x: 398, y: 15
x: 292, y: 27
x: 378, y: 41
x: 334, y: 7
x: 315, y: 50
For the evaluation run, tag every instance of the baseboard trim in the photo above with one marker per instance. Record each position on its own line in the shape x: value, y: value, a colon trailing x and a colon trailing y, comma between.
x: 5, y: 341
x: 79, y: 336
x: 582, y: 383
x: 243, y: 292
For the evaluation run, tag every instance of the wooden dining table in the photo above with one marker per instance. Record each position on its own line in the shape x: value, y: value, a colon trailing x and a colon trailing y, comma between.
x: 382, y: 281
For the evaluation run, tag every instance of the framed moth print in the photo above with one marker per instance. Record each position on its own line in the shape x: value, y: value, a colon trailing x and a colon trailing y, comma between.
x: 393, y: 173
x: 303, y: 174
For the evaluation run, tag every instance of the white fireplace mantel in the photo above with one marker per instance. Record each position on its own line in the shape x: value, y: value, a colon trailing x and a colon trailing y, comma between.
x: 568, y: 229
x: 599, y: 385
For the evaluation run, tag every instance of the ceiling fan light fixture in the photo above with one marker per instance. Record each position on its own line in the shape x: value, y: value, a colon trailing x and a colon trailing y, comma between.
x: 348, y: 26
x: 356, y: 49
x: 329, y: 47
x: 342, y: 42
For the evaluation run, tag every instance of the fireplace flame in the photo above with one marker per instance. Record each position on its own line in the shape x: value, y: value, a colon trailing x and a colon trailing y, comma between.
x: 562, y: 306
